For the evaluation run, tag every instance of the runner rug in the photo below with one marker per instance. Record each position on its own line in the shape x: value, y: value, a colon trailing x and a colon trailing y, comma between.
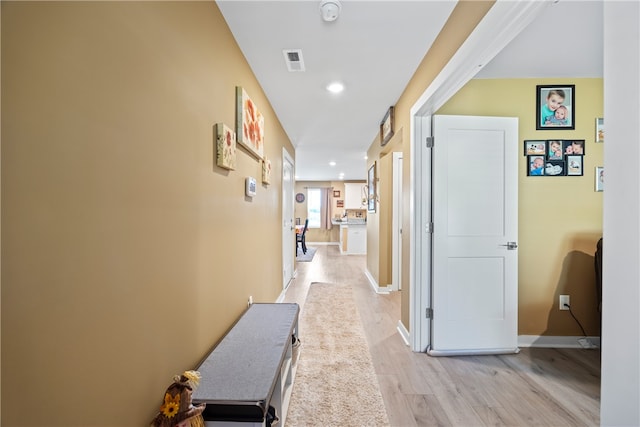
x: 335, y: 382
x: 308, y: 257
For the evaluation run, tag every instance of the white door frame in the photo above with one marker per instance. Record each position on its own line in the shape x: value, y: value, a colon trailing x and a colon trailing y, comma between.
x: 502, y: 23
x: 287, y: 221
x: 396, y: 224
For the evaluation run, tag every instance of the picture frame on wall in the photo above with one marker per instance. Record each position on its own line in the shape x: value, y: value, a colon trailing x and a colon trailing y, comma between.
x: 535, y: 165
x: 555, y: 107
x: 600, y: 129
x: 387, y: 127
x: 574, y: 165
x: 535, y: 147
x: 225, y: 147
x: 336, y: 193
x: 573, y: 147
x: 599, y: 179
x: 555, y: 168
x: 371, y: 188
x: 249, y: 124
x: 266, y: 171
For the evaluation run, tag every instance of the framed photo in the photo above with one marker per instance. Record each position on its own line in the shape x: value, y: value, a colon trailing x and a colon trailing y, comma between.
x: 249, y: 124
x: 225, y: 147
x: 535, y: 148
x: 599, y: 129
x: 340, y: 203
x: 574, y: 166
x: 336, y: 193
x: 535, y: 165
x: 387, y: 127
x: 599, y: 178
x: 555, y: 168
x: 555, y: 107
x: 573, y: 147
x: 555, y: 150
x: 371, y: 188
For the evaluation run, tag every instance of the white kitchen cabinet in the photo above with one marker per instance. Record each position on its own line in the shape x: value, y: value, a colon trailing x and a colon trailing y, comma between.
x: 357, y: 239
x: 353, y: 195
x: 353, y: 239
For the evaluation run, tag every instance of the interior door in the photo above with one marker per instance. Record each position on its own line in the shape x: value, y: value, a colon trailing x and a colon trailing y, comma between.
x: 475, y: 233
x: 288, y: 228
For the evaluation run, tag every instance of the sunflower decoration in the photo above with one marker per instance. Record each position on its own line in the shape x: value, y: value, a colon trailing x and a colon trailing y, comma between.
x: 171, y: 405
x: 177, y: 406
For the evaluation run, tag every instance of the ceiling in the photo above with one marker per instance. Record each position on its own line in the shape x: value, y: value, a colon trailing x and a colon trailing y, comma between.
x: 373, y: 48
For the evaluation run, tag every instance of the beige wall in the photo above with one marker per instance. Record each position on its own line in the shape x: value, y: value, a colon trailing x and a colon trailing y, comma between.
x: 564, y: 263
x: 460, y: 24
x: 560, y: 218
x: 124, y: 248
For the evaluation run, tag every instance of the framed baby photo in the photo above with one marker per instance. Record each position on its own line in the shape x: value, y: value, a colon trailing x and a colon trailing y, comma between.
x: 554, y: 150
x: 555, y: 107
x: 555, y: 168
x: 535, y: 165
x: 574, y: 166
x: 600, y: 129
x: 535, y: 147
x: 599, y: 178
x: 573, y: 147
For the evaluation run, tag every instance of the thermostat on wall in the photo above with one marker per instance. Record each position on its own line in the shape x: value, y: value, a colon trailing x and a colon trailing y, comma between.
x: 250, y: 186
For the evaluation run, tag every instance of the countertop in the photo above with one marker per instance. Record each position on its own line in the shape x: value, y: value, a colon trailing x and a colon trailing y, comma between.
x: 349, y: 222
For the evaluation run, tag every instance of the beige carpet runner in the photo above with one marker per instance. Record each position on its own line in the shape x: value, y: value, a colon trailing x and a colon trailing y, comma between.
x: 335, y: 383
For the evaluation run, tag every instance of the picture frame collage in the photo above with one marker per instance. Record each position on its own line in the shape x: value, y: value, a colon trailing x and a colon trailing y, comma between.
x: 555, y: 157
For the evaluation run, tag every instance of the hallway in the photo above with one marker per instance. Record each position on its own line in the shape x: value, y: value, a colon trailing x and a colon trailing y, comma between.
x: 548, y: 387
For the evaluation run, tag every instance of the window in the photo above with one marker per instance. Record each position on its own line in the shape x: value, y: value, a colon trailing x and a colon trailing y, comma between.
x: 313, y: 207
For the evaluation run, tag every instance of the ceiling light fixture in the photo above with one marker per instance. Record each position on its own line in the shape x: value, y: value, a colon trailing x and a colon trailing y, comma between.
x: 332, y: 163
x: 335, y: 87
x: 330, y: 9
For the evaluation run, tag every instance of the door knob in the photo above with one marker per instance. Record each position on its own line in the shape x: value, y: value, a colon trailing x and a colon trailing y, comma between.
x: 511, y: 246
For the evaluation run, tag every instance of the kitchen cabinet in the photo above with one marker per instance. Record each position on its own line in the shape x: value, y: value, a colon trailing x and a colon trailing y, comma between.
x: 353, y: 238
x: 353, y: 195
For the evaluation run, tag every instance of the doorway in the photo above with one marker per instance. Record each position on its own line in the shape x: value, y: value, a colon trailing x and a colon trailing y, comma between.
x: 288, y: 233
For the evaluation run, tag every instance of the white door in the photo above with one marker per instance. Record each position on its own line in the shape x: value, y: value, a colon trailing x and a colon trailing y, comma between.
x: 475, y: 233
x: 396, y: 224
x: 288, y: 228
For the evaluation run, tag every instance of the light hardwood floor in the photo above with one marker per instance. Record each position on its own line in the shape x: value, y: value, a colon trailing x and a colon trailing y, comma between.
x: 537, y: 387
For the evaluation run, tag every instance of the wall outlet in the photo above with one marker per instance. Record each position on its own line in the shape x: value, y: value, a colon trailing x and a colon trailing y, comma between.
x: 564, y: 299
x: 250, y: 301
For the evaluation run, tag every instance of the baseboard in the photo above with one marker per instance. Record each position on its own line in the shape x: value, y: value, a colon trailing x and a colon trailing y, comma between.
x: 404, y: 333
x: 377, y: 289
x: 545, y: 341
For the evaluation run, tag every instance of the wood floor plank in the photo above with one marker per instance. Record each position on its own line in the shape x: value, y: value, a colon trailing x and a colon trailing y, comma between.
x: 538, y: 387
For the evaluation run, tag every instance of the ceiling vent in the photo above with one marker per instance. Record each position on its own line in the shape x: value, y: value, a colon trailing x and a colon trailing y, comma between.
x: 293, y: 59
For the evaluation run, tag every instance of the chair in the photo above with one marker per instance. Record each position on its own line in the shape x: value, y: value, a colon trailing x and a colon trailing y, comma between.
x: 300, y: 238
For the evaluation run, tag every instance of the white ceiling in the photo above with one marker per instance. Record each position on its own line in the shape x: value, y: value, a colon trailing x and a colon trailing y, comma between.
x: 374, y: 48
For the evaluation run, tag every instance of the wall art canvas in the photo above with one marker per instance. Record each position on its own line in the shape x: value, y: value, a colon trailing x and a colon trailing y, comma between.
x: 225, y: 146
x: 249, y: 124
x: 266, y: 171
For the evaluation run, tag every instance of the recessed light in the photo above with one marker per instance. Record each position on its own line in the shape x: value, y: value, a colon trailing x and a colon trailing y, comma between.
x: 335, y: 87
x: 332, y: 163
